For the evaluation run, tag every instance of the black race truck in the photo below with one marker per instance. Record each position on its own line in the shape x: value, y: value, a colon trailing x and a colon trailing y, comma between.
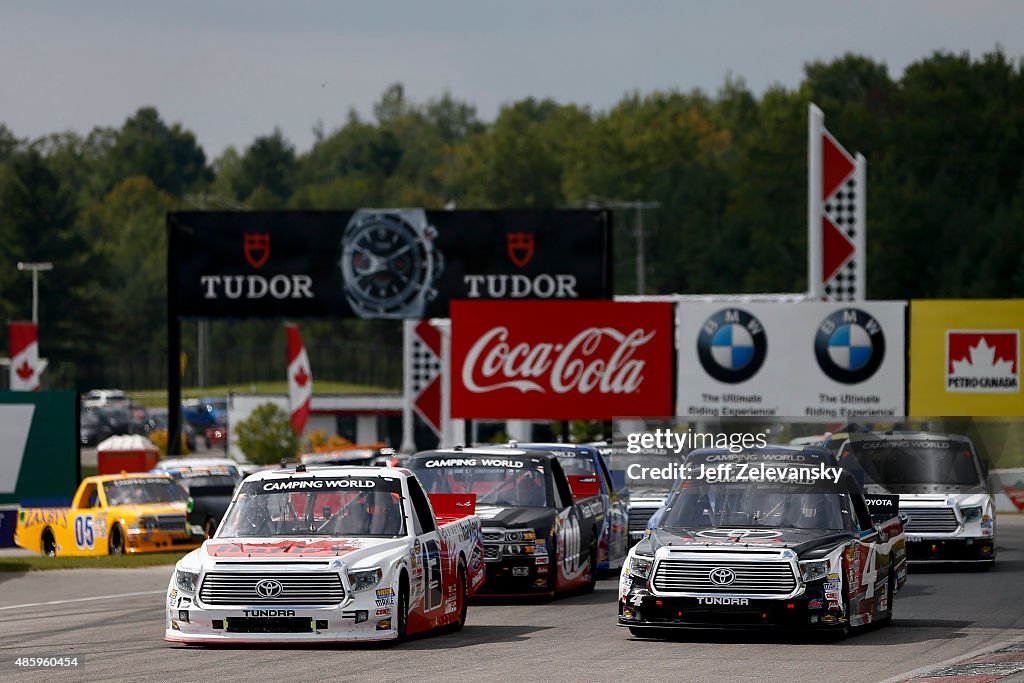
x: 541, y: 527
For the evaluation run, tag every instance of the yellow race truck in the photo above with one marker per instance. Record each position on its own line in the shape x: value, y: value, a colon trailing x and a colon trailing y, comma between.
x: 112, y: 514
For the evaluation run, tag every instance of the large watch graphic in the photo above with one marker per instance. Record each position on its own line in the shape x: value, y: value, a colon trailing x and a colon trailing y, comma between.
x: 389, y: 263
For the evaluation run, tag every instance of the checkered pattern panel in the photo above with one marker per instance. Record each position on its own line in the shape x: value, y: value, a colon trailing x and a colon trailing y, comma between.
x: 425, y: 366
x: 841, y: 208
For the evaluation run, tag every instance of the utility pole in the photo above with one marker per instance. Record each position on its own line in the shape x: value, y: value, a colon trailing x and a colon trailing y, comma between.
x: 638, y: 205
x: 35, y: 268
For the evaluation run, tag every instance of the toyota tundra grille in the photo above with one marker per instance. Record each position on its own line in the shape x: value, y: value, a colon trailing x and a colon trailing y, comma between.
x: 240, y: 588
x: 711, y: 576
x: 171, y: 523
x: 931, y: 520
x: 638, y: 518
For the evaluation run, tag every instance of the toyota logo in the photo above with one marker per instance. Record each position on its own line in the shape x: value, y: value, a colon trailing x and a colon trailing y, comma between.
x: 269, y: 588
x: 722, y: 576
x: 739, y: 534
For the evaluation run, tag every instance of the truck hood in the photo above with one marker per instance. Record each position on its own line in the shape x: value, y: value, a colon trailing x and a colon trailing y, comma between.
x: 914, y: 490
x: 149, y: 509
x: 353, y: 550
x: 798, y: 540
x: 539, y: 519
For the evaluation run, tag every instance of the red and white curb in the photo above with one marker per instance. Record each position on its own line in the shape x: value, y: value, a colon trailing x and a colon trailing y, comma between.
x: 990, y: 665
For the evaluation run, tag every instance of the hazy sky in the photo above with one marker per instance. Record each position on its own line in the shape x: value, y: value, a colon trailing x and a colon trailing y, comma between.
x: 231, y: 70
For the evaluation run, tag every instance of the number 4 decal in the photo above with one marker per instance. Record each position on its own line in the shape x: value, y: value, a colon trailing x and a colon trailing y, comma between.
x: 867, y: 577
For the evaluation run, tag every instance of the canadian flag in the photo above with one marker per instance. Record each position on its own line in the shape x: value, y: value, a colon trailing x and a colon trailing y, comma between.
x: 300, y: 380
x: 24, y: 357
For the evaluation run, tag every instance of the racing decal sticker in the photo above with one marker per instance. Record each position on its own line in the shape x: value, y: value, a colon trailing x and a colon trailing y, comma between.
x: 296, y: 547
x: 85, y: 538
x: 46, y: 516
x: 732, y: 345
x: 430, y: 558
x: 572, y: 564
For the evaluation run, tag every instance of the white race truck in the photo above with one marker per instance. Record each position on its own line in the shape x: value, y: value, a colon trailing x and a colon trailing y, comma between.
x: 943, y: 489
x: 329, y: 554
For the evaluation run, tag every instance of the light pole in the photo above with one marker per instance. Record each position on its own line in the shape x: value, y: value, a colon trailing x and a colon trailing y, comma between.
x: 35, y: 268
x: 637, y: 205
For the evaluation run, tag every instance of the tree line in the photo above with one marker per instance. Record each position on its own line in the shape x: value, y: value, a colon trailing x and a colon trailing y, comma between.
x: 728, y: 170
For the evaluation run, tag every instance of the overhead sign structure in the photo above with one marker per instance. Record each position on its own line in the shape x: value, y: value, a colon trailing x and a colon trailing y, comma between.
x: 819, y: 360
x: 837, y: 211
x: 965, y: 357
x: 381, y: 263
x: 560, y: 360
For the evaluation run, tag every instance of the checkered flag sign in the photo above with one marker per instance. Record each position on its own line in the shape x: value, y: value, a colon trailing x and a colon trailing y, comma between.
x: 837, y: 196
x: 423, y: 373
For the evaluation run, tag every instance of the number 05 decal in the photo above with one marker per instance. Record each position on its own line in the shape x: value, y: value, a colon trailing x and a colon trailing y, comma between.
x: 84, y: 537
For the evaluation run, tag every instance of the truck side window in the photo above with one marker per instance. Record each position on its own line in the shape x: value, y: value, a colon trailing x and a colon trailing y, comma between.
x: 90, y: 497
x: 860, y: 509
x: 424, y: 517
x: 563, y: 494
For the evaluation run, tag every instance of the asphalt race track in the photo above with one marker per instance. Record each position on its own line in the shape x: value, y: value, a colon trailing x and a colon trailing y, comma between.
x: 115, y: 619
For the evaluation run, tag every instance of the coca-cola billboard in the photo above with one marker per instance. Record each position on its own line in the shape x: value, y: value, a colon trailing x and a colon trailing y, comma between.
x: 561, y: 360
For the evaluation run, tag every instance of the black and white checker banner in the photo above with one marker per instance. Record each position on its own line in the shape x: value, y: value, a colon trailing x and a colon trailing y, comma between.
x: 841, y: 208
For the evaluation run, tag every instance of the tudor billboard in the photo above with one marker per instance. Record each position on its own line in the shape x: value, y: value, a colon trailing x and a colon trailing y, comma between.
x: 561, y: 360
x: 381, y: 263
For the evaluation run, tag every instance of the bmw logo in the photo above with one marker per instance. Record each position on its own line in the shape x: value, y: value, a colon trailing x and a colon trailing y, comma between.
x: 849, y: 345
x: 732, y: 345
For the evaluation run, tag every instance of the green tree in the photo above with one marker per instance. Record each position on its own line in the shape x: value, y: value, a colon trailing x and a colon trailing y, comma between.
x: 266, y: 436
x: 167, y: 155
x: 39, y: 224
x: 269, y: 166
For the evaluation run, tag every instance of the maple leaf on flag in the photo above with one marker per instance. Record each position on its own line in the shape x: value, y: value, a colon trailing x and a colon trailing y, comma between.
x: 25, y: 371
x: 301, y: 377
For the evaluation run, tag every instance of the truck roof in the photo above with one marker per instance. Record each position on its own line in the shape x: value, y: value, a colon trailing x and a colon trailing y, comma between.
x: 331, y: 471
x: 100, y: 478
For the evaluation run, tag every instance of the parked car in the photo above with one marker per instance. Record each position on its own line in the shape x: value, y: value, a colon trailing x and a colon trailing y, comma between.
x: 93, y: 427
x: 158, y: 420
x: 205, y: 412
x: 104, y: 397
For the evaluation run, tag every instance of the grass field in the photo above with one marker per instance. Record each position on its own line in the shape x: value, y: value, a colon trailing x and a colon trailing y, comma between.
x: 40, y: 563
x: 157, y: 398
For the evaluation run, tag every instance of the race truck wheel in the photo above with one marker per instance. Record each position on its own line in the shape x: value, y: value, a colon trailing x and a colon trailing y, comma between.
x: 115, y: 545
x: 402, y: 611
x: 890, y: 591
x: 588, y: 587
x: 462, y: 607
x: 48, y: 544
